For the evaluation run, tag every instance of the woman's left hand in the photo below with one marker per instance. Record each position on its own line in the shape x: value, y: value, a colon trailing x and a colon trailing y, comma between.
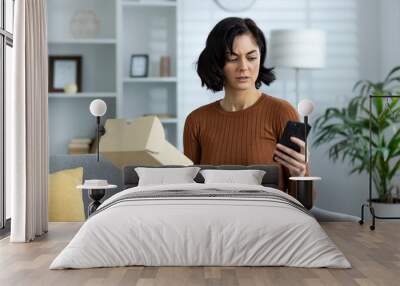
x: 291, y: 159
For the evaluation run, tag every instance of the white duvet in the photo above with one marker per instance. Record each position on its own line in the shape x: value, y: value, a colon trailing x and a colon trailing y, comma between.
x: 200, y: 231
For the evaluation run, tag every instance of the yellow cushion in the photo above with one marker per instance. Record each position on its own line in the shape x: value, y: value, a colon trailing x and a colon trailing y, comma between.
x: 65, y: 200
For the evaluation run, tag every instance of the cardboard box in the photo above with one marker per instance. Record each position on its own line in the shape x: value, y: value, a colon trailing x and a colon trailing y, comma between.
x: 140, y: 142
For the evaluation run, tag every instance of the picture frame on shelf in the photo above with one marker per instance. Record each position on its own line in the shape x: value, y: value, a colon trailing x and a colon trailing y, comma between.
x: 63, y: 71
x: 139, y: 66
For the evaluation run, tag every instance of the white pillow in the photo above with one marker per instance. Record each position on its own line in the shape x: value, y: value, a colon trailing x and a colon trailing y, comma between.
x: 165, y: 176
x: 248, y: 177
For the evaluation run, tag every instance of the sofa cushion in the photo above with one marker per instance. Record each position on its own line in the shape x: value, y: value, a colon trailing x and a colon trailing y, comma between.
x: 65, y: 200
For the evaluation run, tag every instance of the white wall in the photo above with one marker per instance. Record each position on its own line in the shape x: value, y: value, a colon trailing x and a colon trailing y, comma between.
x: 357, y: 48
x: 369, y: 23
x: 378, y: 46
x: 338, y: 18
x: 389, y: 35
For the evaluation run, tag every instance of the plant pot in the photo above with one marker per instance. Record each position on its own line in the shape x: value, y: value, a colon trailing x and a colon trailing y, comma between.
x: 386, y: 209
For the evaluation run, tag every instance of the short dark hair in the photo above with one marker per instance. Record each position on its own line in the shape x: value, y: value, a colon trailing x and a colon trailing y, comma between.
x: 211, y: 62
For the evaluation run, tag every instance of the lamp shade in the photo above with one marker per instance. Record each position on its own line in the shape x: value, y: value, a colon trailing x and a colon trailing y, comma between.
x: 305, y: 107
x: 298, y: 48
x: 98, y: 107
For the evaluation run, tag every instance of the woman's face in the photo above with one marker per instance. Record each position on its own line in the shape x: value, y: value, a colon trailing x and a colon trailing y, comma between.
x: 243, y: 64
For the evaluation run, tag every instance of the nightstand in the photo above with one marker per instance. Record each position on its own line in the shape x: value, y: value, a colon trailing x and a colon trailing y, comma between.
x: 97, y: 190
x: 304, y: 190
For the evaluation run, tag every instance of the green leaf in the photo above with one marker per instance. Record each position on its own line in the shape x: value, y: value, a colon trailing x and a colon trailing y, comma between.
x: 394, y: 142
x: 395, y: 69
x: 357, y: 84
x: 394, y: 170
x: 394, y: 79
x: 378, y: 103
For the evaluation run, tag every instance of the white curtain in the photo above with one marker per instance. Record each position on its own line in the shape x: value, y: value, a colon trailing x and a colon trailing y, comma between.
x: 26, y: 117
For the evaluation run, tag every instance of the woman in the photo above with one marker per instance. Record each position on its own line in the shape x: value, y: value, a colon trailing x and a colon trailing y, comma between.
x: 243, y: 128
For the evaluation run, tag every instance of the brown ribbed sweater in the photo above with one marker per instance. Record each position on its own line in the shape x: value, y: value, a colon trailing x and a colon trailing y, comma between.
x: 246, y: 137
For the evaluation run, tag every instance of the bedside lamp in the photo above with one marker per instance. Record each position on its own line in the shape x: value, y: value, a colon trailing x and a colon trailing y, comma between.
x: 98, y: 108
x: 304, y: 185
x: 96, y: 188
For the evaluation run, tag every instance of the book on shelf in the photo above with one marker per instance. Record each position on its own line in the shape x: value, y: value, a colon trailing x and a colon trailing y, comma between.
x: 79, y: 146
x: 81, y: 141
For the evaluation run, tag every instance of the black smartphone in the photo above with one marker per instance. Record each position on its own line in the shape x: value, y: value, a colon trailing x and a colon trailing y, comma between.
x: 294, y: 129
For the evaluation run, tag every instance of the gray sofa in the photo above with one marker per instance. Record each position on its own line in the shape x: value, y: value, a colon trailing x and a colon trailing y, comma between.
x: 92, y: 169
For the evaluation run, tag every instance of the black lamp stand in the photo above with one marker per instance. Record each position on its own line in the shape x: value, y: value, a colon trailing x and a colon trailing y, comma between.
x: 305, y: 136
x: 96, y: 195
x: 98, y: 136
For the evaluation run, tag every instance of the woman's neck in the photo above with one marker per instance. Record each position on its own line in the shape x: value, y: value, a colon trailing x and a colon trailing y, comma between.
x: 239, y: 100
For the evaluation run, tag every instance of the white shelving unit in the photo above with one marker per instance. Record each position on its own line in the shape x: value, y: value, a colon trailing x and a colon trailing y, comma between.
x: 84, y: 41
x: 148, y: 27
x: 83, y: 95
x: 150, y: 3
x: 126, y: 27
x: 150, y: 79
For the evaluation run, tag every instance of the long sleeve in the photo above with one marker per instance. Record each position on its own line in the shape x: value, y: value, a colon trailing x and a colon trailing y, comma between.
x: 191, y: 144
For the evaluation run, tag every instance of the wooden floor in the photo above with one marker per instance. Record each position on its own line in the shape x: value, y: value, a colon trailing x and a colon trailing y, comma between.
x: 375, y: 257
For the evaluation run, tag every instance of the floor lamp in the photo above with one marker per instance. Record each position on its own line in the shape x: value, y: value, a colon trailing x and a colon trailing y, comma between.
x: 298, y: 49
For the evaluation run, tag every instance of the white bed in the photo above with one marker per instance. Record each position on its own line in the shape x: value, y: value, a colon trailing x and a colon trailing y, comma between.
x: 238, y: 229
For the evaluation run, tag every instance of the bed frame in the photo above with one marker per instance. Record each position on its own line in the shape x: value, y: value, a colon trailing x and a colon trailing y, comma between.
x: 271, y: 178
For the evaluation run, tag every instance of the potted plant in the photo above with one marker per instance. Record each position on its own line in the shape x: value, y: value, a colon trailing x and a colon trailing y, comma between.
x: 347, y: 130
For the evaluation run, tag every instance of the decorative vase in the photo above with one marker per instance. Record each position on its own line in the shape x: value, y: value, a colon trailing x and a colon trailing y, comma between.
x: 165, y: 66
x: 70, y: 88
